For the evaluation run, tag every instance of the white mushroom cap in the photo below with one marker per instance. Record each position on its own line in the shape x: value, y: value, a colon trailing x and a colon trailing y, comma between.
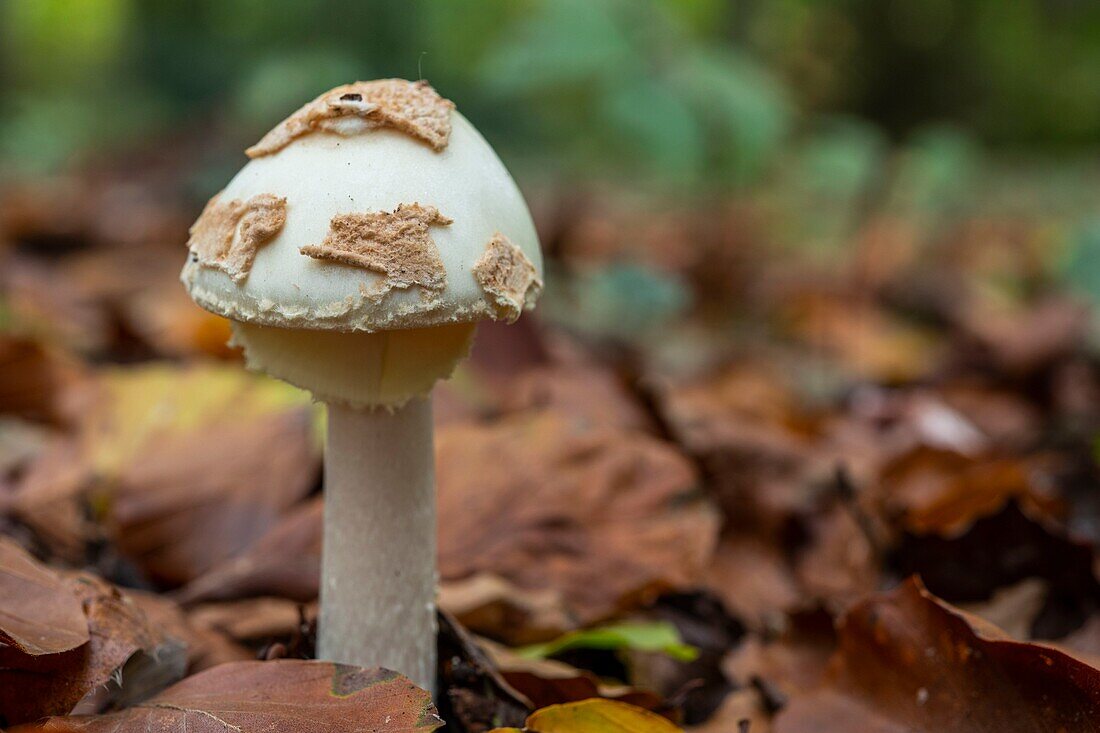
x: 354, y: 252
x: 341, y: 156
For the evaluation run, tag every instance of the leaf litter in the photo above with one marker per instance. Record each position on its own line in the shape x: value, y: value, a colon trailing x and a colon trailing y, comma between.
x: 752, y: 471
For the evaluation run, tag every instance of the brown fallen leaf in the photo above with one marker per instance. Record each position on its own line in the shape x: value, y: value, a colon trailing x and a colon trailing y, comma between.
x: 740, y: 707
x: 582, y: 391
x: 606, y: 517
x: 840, y: 561
x: 753, y: 579
x: 486, y: 603
x: 35, y: 380
x: 252, y: 619
x: 786, y: 664
x: 38, y: 613
x: 283, y: 696
x: 550, y: 682
x: 754, y: 445
x: 175, y: 465
x: 189, y: 502
x: 944, y: 492
x: 1012, y: 608
x: 32, y: 687
x: 909, y: 662
x: 285, y: 561
x: 205, y: 647
x: 870, y: 342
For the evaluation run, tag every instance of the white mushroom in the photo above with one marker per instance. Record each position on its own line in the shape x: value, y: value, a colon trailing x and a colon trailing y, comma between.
x: 354, y: 255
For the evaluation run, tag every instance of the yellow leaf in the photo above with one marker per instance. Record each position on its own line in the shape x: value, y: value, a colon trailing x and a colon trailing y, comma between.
x: 141, y: 404
x: 597, y: 716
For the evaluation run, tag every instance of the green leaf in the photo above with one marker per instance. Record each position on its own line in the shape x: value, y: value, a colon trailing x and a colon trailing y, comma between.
x: 656, y: 636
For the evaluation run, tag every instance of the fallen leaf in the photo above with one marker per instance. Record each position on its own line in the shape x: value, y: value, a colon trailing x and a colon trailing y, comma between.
x: 754, y: 446
x: 1001, y: 550
x: 282, y: 696
x: 787, y: 663
x: 486, y: 603
x: 32, y: 687
x: 175, y: 464
x: 597, y: 716
x: 1013, y: 608
x: 551, y: 682
x: 581, y: 391
x: 38, y: 613
x: 909, y: 662
x: 205, y: 647
x: 944, y: 492
x: 252, y: 619
x: 285, y: 561
x: 34, y: 380
x: 606, y: 517
x: 739, y: 708
x: 656, y: 636
x: 754, y: 579
x: 189, y: 502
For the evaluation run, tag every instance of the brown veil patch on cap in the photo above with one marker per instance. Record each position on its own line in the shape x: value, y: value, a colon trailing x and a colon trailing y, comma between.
x: 414, y: 108
x: 398, y: 245
x: 229, y: 233
x: 507, y: 277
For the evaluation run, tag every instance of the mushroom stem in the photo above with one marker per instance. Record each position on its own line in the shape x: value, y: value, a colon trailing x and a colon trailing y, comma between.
x: 378, y: 577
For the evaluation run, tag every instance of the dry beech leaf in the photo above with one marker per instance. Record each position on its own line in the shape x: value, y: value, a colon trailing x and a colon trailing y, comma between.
x: 604, y: 516
x: 789, y: 664
x: 550, y: 682
x: 205, y: 647
x: 191, y: 501
x: 32, y: 687
x: 909, y: 662
x: 285, y: 561
x: 489, y: 604
x: 753, y: 579
x: 179, y: 464
x: 38, y: 612
x: 739, y: 707
x: 284, y: 696
x: 742, y: 425
x: 252, y: 619
x: 587, y: 391
x: 944, y: 492
x: 34, y: 380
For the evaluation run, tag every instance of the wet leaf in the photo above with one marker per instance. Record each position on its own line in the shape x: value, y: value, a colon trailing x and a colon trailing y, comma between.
x: 908, y: 661
x: 283, y: 696
x: 38, y: 612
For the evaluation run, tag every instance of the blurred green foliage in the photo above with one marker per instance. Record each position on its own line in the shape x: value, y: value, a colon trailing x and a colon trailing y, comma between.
x: 677, y: 91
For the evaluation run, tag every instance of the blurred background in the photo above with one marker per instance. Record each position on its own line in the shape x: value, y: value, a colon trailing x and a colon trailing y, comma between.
x: 833, y: 264
x: 848, y: 133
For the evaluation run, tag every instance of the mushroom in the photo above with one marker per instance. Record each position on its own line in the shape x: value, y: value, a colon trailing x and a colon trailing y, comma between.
x: 354, y: 254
